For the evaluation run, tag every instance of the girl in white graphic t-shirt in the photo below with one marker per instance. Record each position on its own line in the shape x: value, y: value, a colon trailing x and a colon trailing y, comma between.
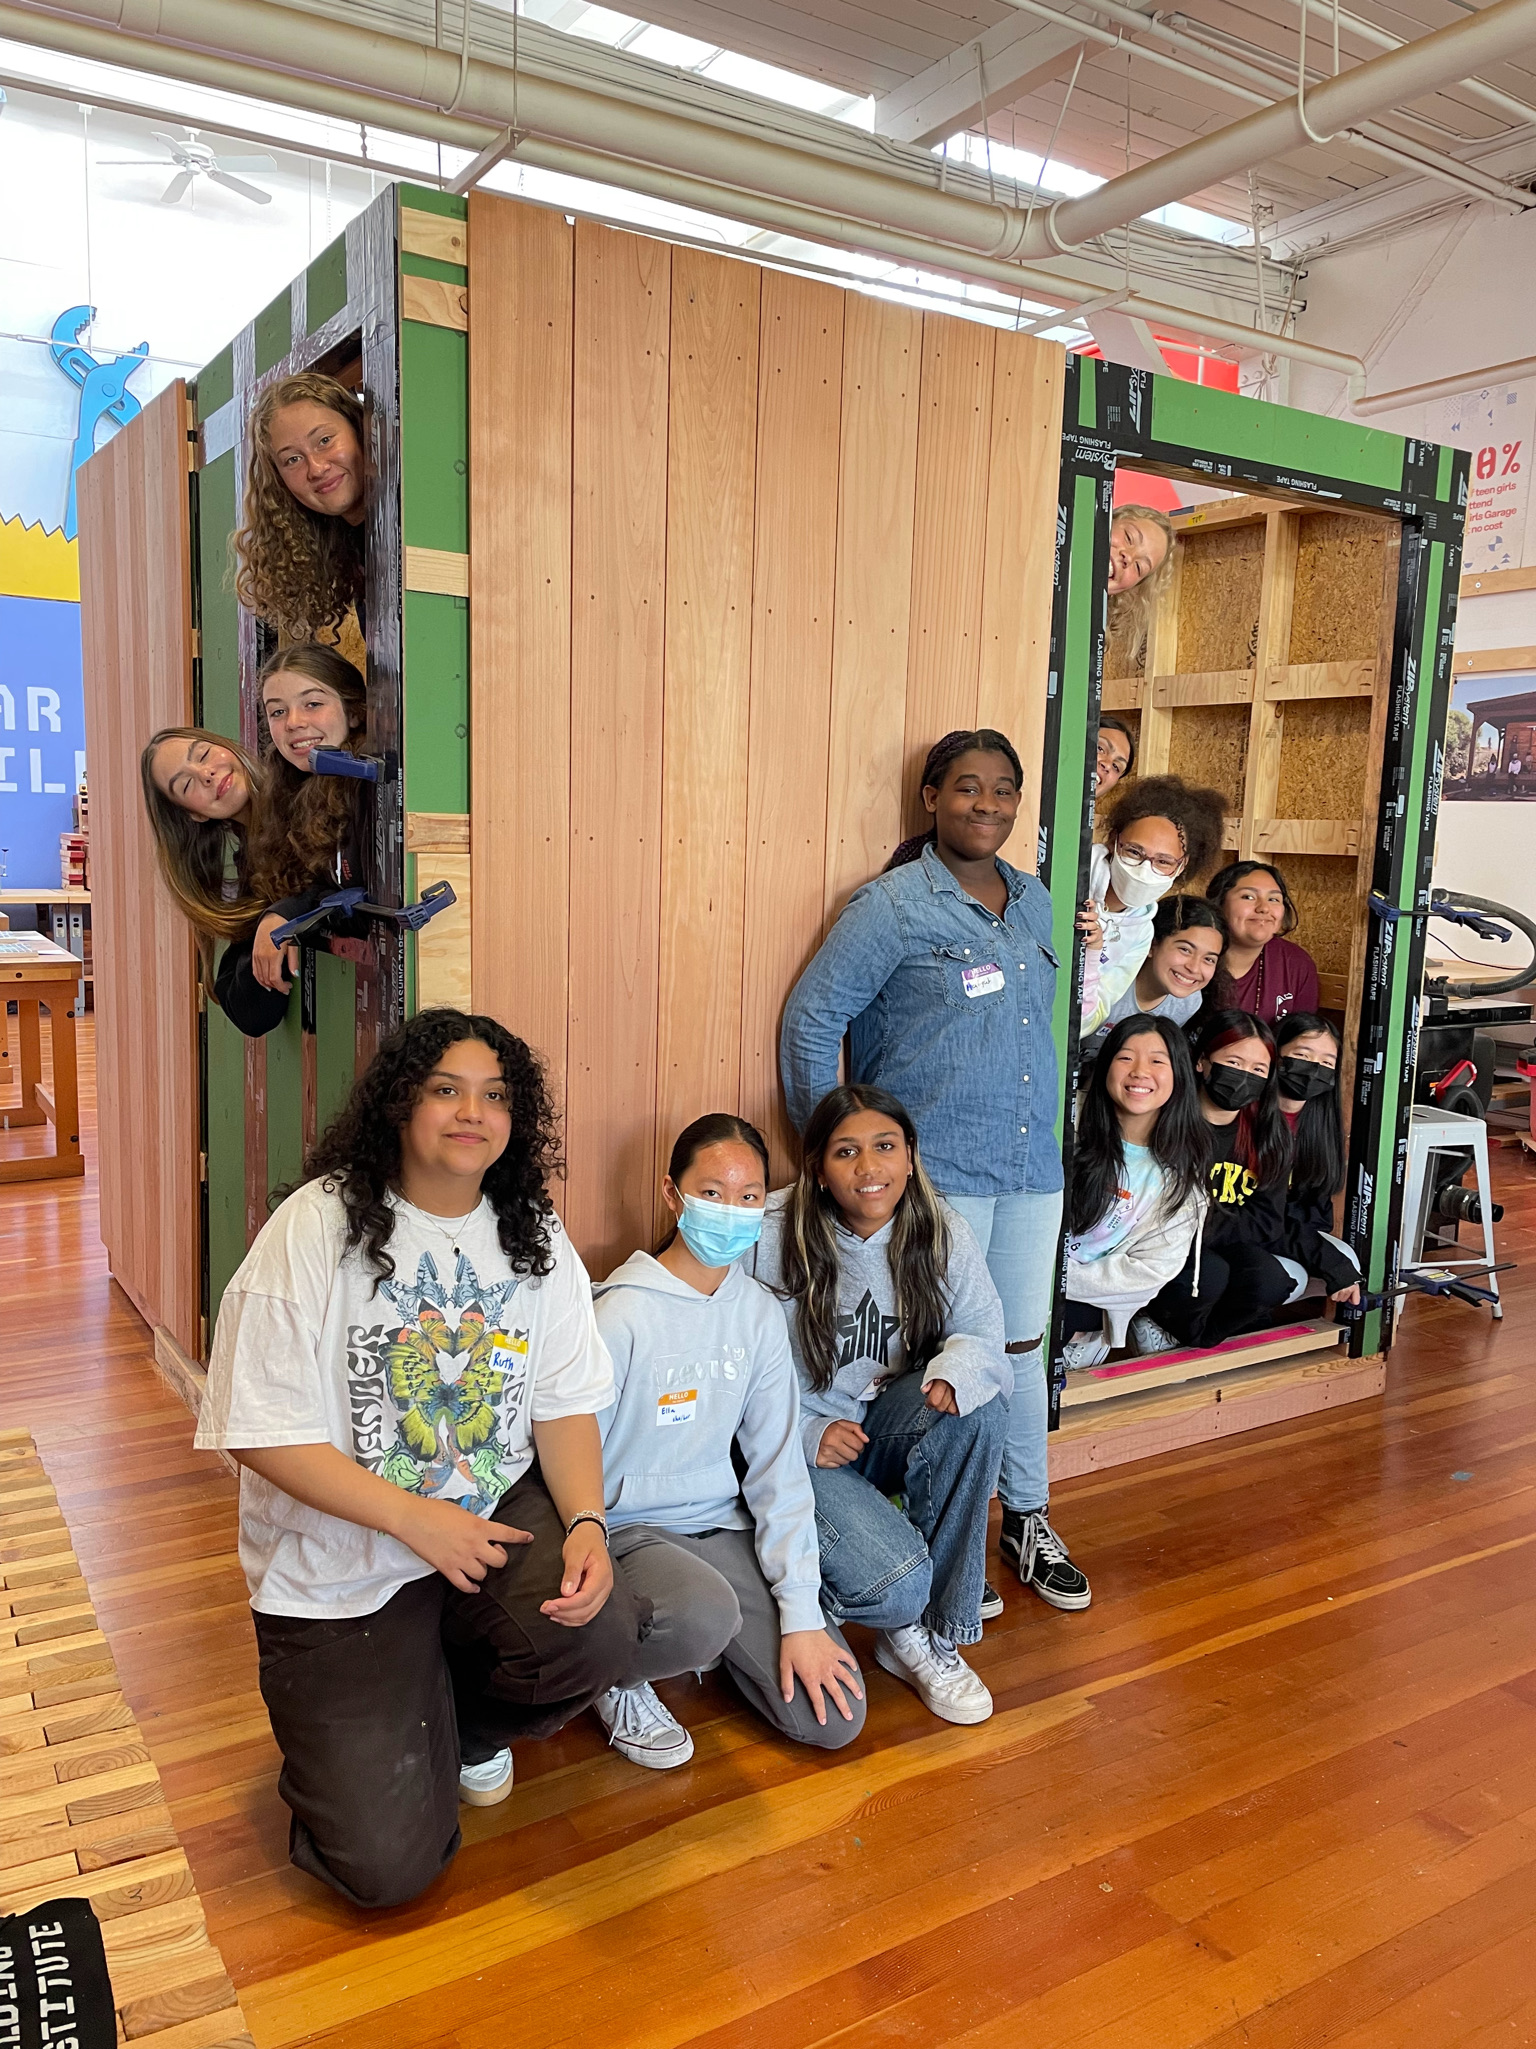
x: 407, y: 1369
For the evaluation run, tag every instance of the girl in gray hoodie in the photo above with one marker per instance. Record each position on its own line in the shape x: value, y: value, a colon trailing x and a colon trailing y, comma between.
x: 897, y: 1332
x: 708, y: 1500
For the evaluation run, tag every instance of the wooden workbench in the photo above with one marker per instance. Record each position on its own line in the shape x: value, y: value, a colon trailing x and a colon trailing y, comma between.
x: 34, y: 973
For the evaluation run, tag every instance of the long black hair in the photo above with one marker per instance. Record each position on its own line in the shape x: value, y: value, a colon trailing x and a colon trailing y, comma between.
x: 1317, y: 1165
x: 715, y: 1127
x: 942, y: 756
x: 1180, y: 1140
x: 1227, y: 879
x: 359, y: 1150
x: 1263, y: 1136
x: 918, y: 1253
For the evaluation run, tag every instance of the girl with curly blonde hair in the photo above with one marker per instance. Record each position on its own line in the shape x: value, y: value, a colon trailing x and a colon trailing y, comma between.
x: 1141, y: 541
x: 299, y: 547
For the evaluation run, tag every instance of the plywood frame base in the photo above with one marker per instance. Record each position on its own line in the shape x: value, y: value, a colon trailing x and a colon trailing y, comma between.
x: 1114, y: 1382
x: 1197, y: 1412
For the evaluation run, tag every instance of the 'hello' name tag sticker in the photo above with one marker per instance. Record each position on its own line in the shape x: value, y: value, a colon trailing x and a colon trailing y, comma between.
x: 680, y: 1406
x: 983, y: 981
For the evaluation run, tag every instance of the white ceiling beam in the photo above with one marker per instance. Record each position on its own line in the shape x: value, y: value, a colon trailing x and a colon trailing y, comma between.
x: 1017, y: 56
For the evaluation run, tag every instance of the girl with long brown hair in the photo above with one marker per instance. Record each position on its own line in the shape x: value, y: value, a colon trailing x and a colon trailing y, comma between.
x: 198, y: 793
x: 305, y: 833
x: 299, y: 546
x: 204, y: 795
x: 897, y: 1335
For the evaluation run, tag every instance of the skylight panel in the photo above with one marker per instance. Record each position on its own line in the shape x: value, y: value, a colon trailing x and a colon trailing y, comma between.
x: 770, y: 83
x: 602, y: 25
x: 665, y: 46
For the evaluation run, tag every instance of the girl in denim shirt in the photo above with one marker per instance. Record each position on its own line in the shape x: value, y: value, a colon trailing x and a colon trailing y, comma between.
x: 942, y: 976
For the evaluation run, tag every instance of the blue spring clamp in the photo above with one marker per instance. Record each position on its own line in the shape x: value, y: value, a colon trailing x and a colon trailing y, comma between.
x: 353, y: 903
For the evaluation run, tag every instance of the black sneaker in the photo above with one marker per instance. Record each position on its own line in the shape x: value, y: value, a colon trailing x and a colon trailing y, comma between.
x: 1042, y: 1560
x: 991, y: 1603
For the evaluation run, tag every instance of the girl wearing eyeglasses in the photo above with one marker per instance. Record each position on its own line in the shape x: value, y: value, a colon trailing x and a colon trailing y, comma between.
x: 1159, y: 829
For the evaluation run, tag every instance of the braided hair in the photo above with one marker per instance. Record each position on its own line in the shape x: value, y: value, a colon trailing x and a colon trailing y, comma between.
x: 942, y: 756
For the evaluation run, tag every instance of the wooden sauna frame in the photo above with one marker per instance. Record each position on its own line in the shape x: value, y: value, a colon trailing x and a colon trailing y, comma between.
x: 662, y: 644
x: 1309, y: 481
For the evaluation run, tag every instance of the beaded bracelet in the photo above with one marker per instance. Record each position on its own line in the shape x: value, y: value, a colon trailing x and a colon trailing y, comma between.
x: 589, y: 1515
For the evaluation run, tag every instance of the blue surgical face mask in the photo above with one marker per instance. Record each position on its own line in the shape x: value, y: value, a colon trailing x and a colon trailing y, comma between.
x: 718, y: 1232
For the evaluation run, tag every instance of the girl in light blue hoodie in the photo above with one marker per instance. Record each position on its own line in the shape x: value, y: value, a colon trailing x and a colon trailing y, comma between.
x: 705, y: 1390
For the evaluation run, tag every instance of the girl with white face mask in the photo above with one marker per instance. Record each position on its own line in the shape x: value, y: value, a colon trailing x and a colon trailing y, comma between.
x: 1160, y: 830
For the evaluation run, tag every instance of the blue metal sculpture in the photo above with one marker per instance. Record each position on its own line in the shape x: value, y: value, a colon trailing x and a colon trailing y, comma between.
x: 104, y: 393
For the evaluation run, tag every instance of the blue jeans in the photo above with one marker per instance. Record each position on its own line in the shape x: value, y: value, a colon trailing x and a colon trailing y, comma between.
x: 885, y: 1568
x: 1017, y: 1235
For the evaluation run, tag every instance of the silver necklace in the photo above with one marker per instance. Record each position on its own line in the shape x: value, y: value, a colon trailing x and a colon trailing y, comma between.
x: 437, y: 1224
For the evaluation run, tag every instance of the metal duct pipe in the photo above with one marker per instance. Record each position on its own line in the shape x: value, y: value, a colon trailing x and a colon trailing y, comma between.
x: 1445, y: 387
x: 318, y: 47
x: 827, y: 224
x: 1370, y: 139
x: 1368, y: 32
x: 1431, y: 61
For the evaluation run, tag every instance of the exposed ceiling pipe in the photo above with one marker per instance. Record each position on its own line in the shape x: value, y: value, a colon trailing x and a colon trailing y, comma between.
x: 1475, y: 88
x: 321, y: 47
x: 274, y: 79
x: 1445, y: 387
x: 1424, y: 65
x: 1369, y: 139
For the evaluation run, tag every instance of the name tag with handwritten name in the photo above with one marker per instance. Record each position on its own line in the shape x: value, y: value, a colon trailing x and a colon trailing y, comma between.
x: 983, y: 981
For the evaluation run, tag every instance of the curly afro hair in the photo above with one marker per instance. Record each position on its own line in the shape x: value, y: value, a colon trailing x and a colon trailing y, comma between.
x: 1195, y: 814
x: 359, y: 1151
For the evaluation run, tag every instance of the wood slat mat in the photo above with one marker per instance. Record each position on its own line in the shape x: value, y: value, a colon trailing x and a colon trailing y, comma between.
x: 82, y: 1813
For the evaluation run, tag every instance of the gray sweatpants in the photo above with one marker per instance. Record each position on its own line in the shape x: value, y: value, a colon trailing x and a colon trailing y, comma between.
x: 710, y: 1600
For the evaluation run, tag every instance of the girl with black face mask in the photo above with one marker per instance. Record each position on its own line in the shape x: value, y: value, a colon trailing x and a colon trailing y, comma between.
x: 1241, y: 1279
x: 1308, y: 1078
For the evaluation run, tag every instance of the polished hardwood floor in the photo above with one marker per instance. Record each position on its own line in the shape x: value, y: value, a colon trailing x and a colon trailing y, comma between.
x: 1276, y: 1788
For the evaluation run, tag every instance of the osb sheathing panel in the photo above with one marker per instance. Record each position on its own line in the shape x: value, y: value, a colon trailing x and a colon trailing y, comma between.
x: 1324, y: 888
x: 1336, y: 612
x: 1209, y: 745
x: 1323, y: 749
x: 1219, y: 599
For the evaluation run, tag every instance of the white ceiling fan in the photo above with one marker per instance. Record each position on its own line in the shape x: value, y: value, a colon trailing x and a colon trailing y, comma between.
x: 191, y: 160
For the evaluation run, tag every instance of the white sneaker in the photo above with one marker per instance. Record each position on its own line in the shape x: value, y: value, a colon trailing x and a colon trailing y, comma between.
x: 641, y: 1729
x: 1088, y: 1348
x: 935, y: 1671
x: 488, y: 1784
x: 1150, y: 1338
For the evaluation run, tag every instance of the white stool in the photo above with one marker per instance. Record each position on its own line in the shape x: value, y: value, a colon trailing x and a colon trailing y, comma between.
x: 1430, y: 1132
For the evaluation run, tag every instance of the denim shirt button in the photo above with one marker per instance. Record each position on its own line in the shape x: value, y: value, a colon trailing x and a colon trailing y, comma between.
x: 1026, y: 1077
x: 1023, y: 1130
